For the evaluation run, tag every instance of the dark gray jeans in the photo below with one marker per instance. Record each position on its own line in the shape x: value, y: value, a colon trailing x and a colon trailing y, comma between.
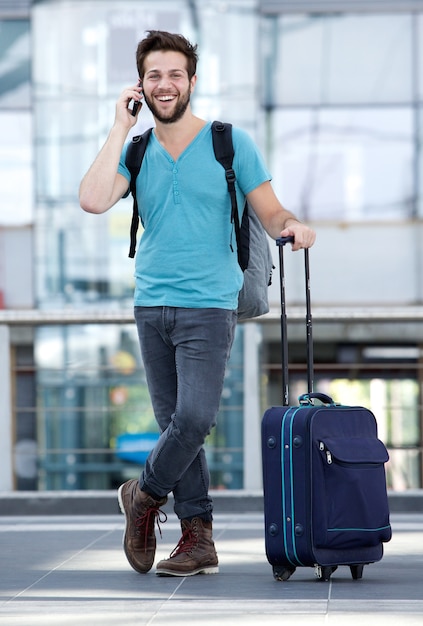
x: 185, y: 352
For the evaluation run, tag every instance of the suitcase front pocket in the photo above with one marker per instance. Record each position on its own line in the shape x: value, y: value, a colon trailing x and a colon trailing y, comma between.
x: 353, y: 511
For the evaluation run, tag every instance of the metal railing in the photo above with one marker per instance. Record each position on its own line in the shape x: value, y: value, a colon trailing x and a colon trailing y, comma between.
x: 106, y: 460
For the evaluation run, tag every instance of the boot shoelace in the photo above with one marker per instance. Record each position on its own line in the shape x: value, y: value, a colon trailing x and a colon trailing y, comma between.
x: 186, y: 543
x: 147, y: 519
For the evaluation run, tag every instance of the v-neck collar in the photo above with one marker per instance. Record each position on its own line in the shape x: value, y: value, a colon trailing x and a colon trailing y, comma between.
x: 188, y: 147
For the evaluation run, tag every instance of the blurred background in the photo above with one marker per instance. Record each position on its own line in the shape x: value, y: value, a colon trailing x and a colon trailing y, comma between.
x: 332, y: 92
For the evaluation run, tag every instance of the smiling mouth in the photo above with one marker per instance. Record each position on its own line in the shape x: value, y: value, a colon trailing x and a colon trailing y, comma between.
x: 166, y: 98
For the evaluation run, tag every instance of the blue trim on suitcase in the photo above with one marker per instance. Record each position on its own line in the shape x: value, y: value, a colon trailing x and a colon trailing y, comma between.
x: 283, y: 495
x: 361, y: 530
x: 288, y: 493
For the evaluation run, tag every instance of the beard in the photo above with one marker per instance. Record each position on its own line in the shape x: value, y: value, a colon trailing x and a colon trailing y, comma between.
x: 175, y: 114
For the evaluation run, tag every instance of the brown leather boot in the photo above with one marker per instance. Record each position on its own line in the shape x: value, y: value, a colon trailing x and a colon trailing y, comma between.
x: 195, y: 552
x: 141, y: 512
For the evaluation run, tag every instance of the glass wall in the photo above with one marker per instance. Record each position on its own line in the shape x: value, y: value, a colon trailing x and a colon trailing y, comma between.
x: 95, y: 419
x: 16, y: 220
x: 334, y: 102
x: 16, y: 166
x: 96, y: 423
x: 384, y: 378
x: 91, y: 390
x: 341, y: 95
x: 84, y: 57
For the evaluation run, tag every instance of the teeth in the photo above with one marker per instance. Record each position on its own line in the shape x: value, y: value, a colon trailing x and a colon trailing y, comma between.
x: 165, y: 98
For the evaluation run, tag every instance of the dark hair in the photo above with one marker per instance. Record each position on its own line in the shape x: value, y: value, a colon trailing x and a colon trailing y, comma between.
x: 161, y: 40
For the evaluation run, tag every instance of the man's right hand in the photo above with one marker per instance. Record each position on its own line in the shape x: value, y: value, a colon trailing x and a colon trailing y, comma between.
x: 124, y: 106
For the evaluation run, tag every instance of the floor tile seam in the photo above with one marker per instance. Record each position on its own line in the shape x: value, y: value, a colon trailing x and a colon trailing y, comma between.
x: 286, y: 607
x: 328, y: 600
x: 388, y: 602
x: 180, y: 606
x: 54, y: 569
x: 301, y: 604
x: 179, y: 583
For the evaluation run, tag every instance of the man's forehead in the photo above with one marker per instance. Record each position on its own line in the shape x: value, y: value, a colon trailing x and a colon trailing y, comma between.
x: 165, y: 60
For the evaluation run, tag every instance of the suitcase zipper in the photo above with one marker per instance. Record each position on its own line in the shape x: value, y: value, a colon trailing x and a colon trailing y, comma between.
x: 323, y: 448
x: 330, y: 459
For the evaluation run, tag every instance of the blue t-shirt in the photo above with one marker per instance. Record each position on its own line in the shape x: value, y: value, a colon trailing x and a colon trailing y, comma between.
x: 184, y: 258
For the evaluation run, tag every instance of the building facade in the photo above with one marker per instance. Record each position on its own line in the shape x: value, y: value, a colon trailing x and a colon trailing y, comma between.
x: 332, y: 93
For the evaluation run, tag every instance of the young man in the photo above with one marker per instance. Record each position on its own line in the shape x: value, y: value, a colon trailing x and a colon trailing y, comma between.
x: 187, y: 284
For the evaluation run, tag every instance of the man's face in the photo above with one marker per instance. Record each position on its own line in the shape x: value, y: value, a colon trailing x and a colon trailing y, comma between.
x: 166, y: 86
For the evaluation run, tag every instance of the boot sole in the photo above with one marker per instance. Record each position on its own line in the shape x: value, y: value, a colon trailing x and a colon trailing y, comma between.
x: 120, y: 501
x: 199, y: 570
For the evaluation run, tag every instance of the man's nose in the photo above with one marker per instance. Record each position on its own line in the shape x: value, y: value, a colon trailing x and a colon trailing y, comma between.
x: 164, y: 82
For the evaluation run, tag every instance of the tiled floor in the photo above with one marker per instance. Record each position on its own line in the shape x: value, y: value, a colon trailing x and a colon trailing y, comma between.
x: 72, y: 570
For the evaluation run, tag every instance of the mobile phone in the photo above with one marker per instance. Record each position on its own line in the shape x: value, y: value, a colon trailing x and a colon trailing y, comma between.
x: 137, y: 103
x: 135, y: 107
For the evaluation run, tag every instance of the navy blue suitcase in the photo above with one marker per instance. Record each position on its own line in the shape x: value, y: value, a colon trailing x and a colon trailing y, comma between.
x: 325, y: 497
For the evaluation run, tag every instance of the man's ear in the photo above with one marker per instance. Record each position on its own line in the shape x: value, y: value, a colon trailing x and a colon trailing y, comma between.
x: 192, y: 82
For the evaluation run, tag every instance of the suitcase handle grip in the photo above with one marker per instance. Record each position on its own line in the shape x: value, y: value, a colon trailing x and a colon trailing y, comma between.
x: 281, y: 241
x: 306, y: 398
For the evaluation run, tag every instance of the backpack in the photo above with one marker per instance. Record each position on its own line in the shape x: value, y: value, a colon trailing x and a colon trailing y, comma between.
x: 254, y: 254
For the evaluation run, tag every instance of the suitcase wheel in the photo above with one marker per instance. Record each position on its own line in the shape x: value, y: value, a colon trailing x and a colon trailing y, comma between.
x: 281, y: 572
x: 324, y: 572
x: 357, y: 571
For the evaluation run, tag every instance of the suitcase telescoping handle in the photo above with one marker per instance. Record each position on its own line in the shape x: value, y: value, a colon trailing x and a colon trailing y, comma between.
x: 280, y: 242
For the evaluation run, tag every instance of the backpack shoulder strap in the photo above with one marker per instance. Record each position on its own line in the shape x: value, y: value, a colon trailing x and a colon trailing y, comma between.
x: 224, y: 153
x: 222, y: 145
x: 134, y: 156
